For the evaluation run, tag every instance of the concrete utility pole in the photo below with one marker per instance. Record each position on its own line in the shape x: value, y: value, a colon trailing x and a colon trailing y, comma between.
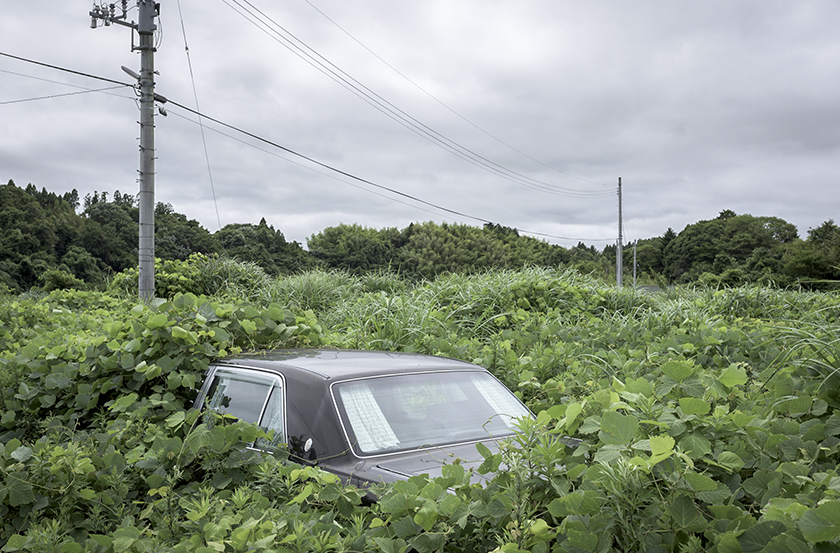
x: 619, y: 262
x: 145, y: 27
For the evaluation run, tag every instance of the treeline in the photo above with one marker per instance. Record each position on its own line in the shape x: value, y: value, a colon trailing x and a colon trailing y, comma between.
x: 51, y: 241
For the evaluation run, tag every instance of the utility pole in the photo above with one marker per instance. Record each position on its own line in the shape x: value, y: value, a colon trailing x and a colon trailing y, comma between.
x: 619, y: 262
x: 635, y: 243
x: 145, y: 27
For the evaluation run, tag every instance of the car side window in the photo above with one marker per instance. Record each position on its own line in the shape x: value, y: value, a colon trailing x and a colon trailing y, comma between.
x: 252, y: 397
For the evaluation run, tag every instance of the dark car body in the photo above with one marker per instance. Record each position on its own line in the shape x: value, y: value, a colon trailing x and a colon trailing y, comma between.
x: 366, y: 416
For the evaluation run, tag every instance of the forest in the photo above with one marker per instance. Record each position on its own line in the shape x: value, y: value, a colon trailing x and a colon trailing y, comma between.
x: 50, y: 241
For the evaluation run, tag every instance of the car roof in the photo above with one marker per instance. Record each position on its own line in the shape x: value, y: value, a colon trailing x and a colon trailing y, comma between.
x: 333, y: 364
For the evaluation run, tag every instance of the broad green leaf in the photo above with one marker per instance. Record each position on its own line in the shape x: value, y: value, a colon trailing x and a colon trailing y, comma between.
x: 617, y: 428
x: 683, y: 511
x: 133, y: 346
x: 483, y: 450
x: 22, y: 454
x: 104, y: 541
x: 678, y: 370
x: 700, y: 482
x: 248, y: 326
x: 555, y: 411
x: 694, y: 406
x: 586, y: 502
x: 695, y: 446
x: 639, y: 386
x: 17, y: 543
x: 572, y: 411
x: 426, y: 516
x: 721, y: 494
x: 608, y: 454
x: 726, y: 512
x: 539, y: 527
x: 799, y: 405
x: 20, y: 491
x: 591, y: 424
x: 733, y: 376
x: 11, y: 446
x: 175, y: 419
x: 124, y: 403
x: 822, y: 523
x: 582, y: 541
x: 785, y: 543
x: 158, y: 321
x: 661, y: 445
x: 730, y: 461
x: 832, y: 425
x: 755, y: 538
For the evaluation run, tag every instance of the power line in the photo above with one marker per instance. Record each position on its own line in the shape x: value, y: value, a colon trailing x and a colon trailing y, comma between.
x: 298, y: 47
x: 308, y: 168
x: 442, y: 103
x: 58, y: 95
x: 331, y: 176
x: 327, y: 166
x: 88, y: 75
x: 305, y: 157
x: 200, y: 124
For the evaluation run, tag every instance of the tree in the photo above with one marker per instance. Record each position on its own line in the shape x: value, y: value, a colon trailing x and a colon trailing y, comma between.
x: 177, y: 237
x: 355, y: 248
x: 265, y: 246
x: 725, y: 243
x: 818, y: 257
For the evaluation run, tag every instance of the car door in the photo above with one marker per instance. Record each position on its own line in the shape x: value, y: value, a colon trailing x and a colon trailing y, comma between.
x: 250, y: 395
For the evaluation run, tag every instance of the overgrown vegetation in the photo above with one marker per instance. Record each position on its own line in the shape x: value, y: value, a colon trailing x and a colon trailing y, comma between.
x: 706, y: 417
x: 45, y: 245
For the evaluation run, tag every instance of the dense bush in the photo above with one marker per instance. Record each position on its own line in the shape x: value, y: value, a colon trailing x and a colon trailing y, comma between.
x: 705, y: 419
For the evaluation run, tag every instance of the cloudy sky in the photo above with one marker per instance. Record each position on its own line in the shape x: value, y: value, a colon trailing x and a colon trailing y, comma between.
x: 697, y: 106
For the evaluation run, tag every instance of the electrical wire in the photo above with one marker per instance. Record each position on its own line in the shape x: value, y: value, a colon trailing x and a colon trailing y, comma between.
x: 309, y: 168
x: 298, y: 47
x: 300, y: 155
x: 360, y: 179
x: 58, y: 95
x: 327, y: 166
x: 200, y: 123
x: 64, y: 69
x: 442, y: 103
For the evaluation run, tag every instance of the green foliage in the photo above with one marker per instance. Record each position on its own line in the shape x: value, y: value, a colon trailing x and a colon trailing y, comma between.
x: 263, y: 245
x: 96, y: 425
x: 727, y: 242
x: 432, y: 249
x: 355, y: 248
x: 693, y: 420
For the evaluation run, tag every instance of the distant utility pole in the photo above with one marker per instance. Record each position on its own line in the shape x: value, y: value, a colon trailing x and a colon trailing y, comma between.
x: 145, y: 27
x: 619, y: 262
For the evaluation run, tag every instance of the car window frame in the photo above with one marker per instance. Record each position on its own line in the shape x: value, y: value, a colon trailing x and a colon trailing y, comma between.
x: 276, y: 377
x: 361, y: 455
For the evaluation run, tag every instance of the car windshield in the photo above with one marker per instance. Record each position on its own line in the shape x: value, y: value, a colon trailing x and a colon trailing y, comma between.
x: 403, y: 412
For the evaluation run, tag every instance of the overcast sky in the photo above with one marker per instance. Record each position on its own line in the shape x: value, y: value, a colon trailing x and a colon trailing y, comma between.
x: 697, y: 106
